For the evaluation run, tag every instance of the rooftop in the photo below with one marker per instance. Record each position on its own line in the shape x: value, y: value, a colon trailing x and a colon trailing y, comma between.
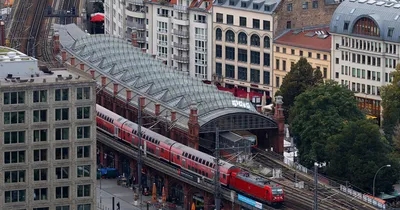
x: 263, y: 6
x: 384, y: 14
x: 131, y: 68
x: 315, y: 39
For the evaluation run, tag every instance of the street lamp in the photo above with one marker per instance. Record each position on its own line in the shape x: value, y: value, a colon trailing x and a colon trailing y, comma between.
x: 373, y: 184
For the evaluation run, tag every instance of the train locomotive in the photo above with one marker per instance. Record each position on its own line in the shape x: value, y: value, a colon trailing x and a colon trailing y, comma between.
x: 188, y: 160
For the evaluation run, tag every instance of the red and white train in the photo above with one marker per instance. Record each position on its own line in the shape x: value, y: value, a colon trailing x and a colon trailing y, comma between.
x: 189, y: 160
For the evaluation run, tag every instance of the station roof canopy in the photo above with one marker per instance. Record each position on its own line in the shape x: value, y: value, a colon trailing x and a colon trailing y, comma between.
x: 120, y: 62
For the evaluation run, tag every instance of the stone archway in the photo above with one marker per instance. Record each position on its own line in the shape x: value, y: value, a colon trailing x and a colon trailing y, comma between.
x: 176, y: 193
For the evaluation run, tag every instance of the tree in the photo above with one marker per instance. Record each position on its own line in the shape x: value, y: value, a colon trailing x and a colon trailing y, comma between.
x: 319, y: 113
x: 357, y: 152
x: 391, y: 103
x: 299, y: 79
x: 396, y: 139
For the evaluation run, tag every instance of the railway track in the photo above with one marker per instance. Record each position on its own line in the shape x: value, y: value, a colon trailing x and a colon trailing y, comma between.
x: 35, y: 25
x: 17, y: 29
x: 326, y: 194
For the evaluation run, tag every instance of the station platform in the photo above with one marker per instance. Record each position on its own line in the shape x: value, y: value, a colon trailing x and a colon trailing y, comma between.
x: 108, y: 188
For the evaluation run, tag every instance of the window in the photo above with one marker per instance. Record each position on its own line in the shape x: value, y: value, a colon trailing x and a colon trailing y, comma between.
x: 61, y: 94
x: 242, y: 55
x: 83, y: 132
x: 292, y: 51
x: 14, y: 176
x: 243, y: 21
x: 243, y: 4
x: 62, y: 172
x: 40, y: 96
x: 325, y: 72
x: 266, y: 25
x: 83, y: 191
x: 255, y: 6
x: 229, y: 19
x: 40, y: 174
x: 255, y: 75
x: 40, y: 194
x: 40, y: 155
x: 390, y: 32
x: 256, y: 23
x: 325, y: 57
x: 315, y: 4
x: 14, y: 117
x: 14, y: 98
x: 218, y: 34
x: 289, y: 7
x: 242, y: 73
x: 39, y: 115
x: 62, y: 134
x: 301, y: 53
x: 310, y: 54
x: 218, y: 51
x: 267, y: 43
x: 255, y: 40
x: 63, y: 208
x: 305, y: 5
x: 366, y: 26
x: 40, y: 135
x: 220, y: 18
x: 255, y: 57
x: 83, y: 152
x: 83, y: 93
x: 14, y: 157
x: 318, y: 56
x: 267, y: 76
x: 230, y: 53
x: 83, y: 171
x: 218, y: 69
x: 14, y: 196
x: 84, y: 207
x: 62, y: 153
x: 267, y: 59
x: 277, y: 81
x: 288, y: 24
x: 284, y: 65
x: 229, y: 36
x: 14, y: 137
x: 229, y: 71
x: 62, y: 192
x: 277, y: 64
x: 284, y: 50
x: 242, y: 38
x: 62, y: 114
x: 83, y: 112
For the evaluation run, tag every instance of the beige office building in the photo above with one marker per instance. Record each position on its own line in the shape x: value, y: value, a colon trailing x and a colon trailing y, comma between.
x: 48, y: 136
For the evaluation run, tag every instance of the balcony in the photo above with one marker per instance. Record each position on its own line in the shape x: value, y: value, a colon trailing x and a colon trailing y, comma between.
x: 135, y: 25
x: 181, y: 58
x: 180, y: 8
x: 162, y: 43
x: 135, y: 2
x: 141, y: 39
x: 181, y: 46
x: 162, y: 30
x: 181, y: 20
x: 183, y: 34
x: 200, y: 36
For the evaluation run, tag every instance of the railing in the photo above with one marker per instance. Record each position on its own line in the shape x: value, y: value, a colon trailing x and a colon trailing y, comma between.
x: 181, y: 8
x: 181, y: 58
x: 136, y: 2
x: 136, y: 25
x: 162, y: 30
x: 180, y: 33
x: 199, y: 36
x: 181, y: 18
x: 181, y: 46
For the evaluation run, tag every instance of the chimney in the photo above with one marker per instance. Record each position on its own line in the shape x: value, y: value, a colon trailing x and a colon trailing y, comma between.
x: 134, y: 39
x: 278, y: 116
x: 128, y: 95
x: 173, y: 115
x: 2, y: 33
x: 259, y: 108
x: 278, y: 109
x: 103, y: 81
x: 193, y: 113
x: 64, y: 56
x: 56, y: 41
x: 73, y: 60
x: 82, y: 66
x: 92, y: 71
x: 115, y: 89
x: 142, y: 102
x: 157, y: 109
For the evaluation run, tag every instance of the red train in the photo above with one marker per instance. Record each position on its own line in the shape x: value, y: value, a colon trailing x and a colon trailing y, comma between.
x: 190, y: 161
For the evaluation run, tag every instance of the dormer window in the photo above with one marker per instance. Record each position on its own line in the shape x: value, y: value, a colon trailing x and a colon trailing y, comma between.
x: 255, y: 6
x: 232, y: 2
x: 390, y: 32
x: 366, y: 26
x: 267, y: 8
x: 243, y: 4
x: 346, y: 26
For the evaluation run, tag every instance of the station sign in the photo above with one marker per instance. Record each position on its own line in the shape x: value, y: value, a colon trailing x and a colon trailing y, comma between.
x: 249, y: 201
x: 241, y: 104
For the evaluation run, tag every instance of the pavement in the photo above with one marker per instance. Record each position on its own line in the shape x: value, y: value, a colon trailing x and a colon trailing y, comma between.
x: 108, y: 188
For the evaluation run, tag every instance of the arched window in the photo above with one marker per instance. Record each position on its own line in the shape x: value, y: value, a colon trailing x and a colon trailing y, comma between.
x: 242, y: 39
x: 365, y: 26
x: 267, y: 42
x: 218, y: 34
x: 230, y: 36
x: 255, y: 40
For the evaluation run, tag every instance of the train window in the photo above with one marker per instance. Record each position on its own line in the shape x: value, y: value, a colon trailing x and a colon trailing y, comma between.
x: 204, y: 162
x: 206, y: 174
x: 162, y: 150
x: 190, y: 156
x: 177, y: 157
x: 224, y: 176
x: 197, y: 159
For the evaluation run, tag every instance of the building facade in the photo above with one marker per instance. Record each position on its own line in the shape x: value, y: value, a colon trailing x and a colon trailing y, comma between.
x: 114, y: 18
x: 177, y: 32
x: 243, y: 35
x: 313, y: 44
x: 365, y: 48
x: 48, y: 136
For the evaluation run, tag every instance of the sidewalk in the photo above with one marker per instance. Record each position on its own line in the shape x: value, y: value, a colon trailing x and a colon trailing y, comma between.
x: 123, y: 195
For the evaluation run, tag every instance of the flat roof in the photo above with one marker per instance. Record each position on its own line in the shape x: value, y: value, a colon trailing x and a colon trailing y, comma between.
x: 315, y: 39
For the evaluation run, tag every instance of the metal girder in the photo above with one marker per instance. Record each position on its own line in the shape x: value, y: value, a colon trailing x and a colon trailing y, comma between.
x: 239, y: 121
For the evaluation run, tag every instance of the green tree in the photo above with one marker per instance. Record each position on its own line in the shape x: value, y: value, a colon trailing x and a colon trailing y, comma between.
x: 299, y: 79
x: 319, y: 113
x: 357, y: 152
x: 396, y: 139
x: 391, y: 103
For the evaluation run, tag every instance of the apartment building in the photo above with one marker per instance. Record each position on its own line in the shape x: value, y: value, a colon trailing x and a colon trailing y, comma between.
x: 114, y: 21
x: 177, y: 32
x: 313, y: 44
x: 48, y: 136
x: 365, y: 48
